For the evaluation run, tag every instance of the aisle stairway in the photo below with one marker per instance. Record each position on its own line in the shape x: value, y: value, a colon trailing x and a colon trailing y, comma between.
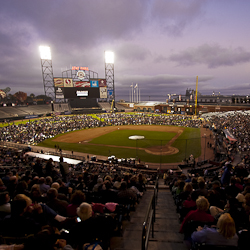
x: 167, y: 226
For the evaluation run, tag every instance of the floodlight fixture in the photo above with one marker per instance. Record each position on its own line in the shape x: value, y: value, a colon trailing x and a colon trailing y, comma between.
x: 45, y: 52
x: 109, y: 57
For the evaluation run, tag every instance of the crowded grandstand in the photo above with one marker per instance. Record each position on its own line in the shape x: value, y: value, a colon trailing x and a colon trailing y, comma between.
x: 54, y: 202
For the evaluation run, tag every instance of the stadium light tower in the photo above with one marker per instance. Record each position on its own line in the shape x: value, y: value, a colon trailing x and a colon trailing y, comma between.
x: 109, y: 75
x: 47, y: 71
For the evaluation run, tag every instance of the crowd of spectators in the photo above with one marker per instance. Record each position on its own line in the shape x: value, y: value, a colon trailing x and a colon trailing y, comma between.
x: 36, y: 195
x: 35, y: 131
x: 214, y: 209
x: 36, y: 199
x: 237, y: 123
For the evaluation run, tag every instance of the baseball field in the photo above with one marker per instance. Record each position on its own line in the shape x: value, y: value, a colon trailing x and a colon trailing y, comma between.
x: 165, y: 144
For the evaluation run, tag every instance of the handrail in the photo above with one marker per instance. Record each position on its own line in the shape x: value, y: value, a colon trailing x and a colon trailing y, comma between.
x: 149, y: 220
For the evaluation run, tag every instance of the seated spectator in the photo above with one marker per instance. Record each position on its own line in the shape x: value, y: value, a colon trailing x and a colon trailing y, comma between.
x: 188, y: 205
x: 18, y: 225
x: 35, y: 194
x: 22, y: 188
x: 202, y: 190
x: 235, y: 209
x: 125, y: 194
x: 224, y: 234
x: 232, y: 190
x: 200, y: 214
x: 43, y: 186
x: 117, y: 183
x: 92, y: 182
x: 108, y: 194
x: 238, y: 184
x: 89, y: 229
x: 59, y: 206
x: 77, y: 198
x: 2, y: 186
x: 39, y: 211
x: 240, y: 171
x: 217, y: 195
x: 247, y: 205
x: 5, y: 207
x: 61, y: 196
x: 142, y: 181
x: 99, y: 186
x: 64, y: 189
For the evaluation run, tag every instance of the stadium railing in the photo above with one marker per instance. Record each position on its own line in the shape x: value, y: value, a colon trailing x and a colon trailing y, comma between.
x: 148, y: 224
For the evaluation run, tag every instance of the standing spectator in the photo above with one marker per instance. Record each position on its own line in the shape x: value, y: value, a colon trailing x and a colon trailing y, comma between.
x: 225, y: 178
x: 49, y: 167
x: 64, y: 168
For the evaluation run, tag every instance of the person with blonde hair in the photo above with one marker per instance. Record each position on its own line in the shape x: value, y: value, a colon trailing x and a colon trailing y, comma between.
x: 224, y: 234
x: 200, y: 214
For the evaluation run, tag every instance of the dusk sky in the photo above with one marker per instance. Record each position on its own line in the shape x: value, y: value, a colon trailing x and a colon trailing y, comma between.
x: 162, y: 45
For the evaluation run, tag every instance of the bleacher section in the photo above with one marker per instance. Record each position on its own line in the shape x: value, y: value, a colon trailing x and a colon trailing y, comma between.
x: 61, y: 107
x: 105, y: 106
x: 22, y: 111
x: 119, y: 107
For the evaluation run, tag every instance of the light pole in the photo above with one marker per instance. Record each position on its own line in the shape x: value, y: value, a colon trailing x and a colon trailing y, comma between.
x: 47, y: 71
x: 109, y: 75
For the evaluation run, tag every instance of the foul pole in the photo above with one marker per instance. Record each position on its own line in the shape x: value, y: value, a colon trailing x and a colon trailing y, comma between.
x: 196, y: 93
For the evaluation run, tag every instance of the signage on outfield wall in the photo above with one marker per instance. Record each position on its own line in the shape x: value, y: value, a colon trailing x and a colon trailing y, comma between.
x: 82, y: 84
x: 67, y: 82
x: 102, y: 83
x: 103, y: 92
x: 58, y: 82
x: 94, y: 84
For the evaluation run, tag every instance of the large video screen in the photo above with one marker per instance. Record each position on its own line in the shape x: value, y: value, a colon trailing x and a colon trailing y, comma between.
x: 81, y: 92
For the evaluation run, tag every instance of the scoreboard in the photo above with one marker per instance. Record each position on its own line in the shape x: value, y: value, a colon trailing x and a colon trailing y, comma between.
x: 66, y: 88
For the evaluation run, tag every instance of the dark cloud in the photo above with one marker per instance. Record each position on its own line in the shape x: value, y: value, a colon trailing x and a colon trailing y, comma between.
x: 211, y: 55
x: 175, y: 16
x: 132, y: 52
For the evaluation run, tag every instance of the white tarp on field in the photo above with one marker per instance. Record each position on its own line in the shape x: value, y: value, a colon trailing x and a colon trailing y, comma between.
x: 54, y: 158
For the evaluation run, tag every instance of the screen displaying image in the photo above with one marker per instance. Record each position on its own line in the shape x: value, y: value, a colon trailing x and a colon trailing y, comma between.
x: 82, y: 93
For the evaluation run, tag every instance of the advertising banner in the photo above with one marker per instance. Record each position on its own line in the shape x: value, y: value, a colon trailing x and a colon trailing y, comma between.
x: 67, y: 82
x: 59, y: 93
x: 94, y: 83
x: 102, y: 83
x: 58, y: 82
x: 82, y: 84
x: 103, y: 92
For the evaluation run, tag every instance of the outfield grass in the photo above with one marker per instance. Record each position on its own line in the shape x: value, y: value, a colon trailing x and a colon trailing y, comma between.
x: 188, y: 142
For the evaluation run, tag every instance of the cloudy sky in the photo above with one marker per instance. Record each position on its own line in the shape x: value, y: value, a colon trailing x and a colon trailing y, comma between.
x: 160, y: 44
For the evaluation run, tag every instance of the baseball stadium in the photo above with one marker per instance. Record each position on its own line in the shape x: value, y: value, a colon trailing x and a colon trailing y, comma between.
x: 111, y: 174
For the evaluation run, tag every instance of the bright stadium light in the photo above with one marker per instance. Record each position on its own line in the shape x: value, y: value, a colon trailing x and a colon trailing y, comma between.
x: 45, y: 52
x: 109, y: 57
